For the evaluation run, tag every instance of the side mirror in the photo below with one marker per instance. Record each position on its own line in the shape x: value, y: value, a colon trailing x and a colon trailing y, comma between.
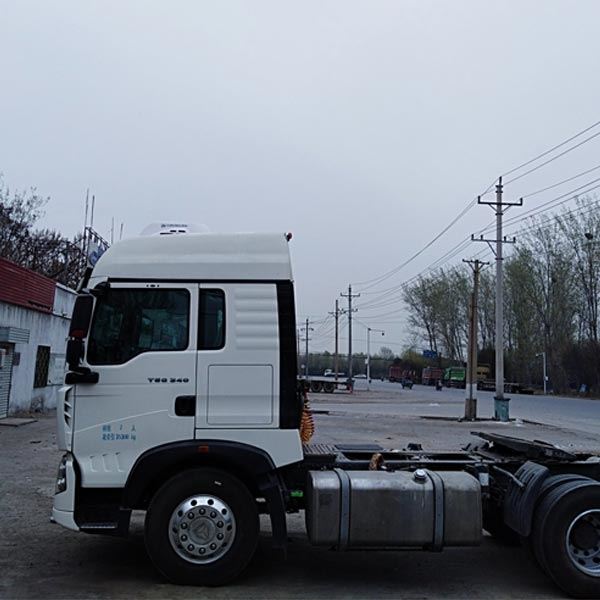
x: 75, y: 351
x: 82, y: 315
x: 80, y: 324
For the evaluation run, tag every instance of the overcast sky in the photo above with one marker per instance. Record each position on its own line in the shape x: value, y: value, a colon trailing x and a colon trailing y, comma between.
x: 362, y: 127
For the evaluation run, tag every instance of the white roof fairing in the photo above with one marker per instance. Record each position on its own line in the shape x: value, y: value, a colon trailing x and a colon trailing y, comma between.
x: 197, y: 256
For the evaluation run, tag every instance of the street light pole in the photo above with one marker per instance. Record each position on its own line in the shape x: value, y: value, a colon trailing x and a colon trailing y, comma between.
x: 369, y: 329
x: 543, y: 355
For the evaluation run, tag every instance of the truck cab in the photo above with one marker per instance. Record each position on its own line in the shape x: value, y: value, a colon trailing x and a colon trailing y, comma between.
x: 176, y: 340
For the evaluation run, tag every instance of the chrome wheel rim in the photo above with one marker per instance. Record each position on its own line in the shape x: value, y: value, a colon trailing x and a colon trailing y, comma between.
x: 583, y: 542
x: 202, y: 529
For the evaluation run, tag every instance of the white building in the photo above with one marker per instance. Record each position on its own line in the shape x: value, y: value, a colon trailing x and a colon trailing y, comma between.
x: 34, y: 321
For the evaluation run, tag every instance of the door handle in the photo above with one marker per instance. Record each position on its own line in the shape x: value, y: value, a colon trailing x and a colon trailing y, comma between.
x: 185, y: 406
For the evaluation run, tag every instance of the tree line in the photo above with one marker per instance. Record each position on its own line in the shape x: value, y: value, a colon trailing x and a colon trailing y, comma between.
x: 551, y: 297
x: 45, y: 251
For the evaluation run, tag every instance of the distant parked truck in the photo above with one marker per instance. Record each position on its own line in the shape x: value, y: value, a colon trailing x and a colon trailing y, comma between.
x: 489, y: 385
x: 455, y: 377
x: 396, y: 373
x: 400, y: 373
x: 326, y: 383
x: 332, y: 373
x: 483, y: 372
x: 404, y: 376
x: 431, y: 375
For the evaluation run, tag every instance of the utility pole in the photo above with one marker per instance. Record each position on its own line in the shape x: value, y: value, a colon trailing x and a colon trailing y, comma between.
x: 307, y: 329
x: 349, y: 311
x: 336, y: 316
x: 471, y: 379
x: 501, y: 411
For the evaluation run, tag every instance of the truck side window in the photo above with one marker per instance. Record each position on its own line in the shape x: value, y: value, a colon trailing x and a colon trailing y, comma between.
x: 128, y: 322
x: 211, y: 321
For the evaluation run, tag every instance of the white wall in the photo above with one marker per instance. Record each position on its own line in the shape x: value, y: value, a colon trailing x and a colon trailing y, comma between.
x: 46, y: 330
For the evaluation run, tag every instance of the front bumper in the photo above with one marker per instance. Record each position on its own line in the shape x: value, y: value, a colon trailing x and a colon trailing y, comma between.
x: 63, y: 511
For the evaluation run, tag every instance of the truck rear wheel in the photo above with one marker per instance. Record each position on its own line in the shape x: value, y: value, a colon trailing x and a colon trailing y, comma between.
x: 328, y: 387
x: 202, y: 527
x: 536, y: 551
x: 566, y: 537
x: 316, y: 387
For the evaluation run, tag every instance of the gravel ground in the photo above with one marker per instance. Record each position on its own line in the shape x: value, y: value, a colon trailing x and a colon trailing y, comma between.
x: 42, y: 560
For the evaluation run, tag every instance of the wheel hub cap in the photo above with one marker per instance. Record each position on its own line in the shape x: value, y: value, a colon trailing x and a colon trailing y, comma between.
x: 583, y: 542
x: 202, y: 529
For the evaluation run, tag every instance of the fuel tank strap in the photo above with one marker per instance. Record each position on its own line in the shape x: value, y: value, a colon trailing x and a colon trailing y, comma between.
x: 344, y: 509
x: 438, y: 515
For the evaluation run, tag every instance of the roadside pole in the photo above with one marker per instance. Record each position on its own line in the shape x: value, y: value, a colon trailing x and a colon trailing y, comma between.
x: 336, y: 316
x: 501, y: 410
x: 307, y: 329
x: 471, y: 378
x: 368, y: 357
x: 349, y: 311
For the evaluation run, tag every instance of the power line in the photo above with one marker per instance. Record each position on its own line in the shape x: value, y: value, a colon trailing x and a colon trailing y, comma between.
x: 552, y: 203
x: 561, y: 182
x: 581, y: 211
x: 546, y: 162
x: 393, y: 271
x: 532, y: 160
x: 369, y: 283
x: 388, y: 297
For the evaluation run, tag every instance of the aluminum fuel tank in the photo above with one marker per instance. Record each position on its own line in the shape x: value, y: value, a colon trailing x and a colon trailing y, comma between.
x: 421, y: 509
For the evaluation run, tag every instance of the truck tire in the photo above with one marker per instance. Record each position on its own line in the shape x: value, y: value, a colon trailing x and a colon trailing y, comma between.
x: 566, y: 537
x: 553, y: 482
x: 535, y: 551
x: 328, y: 387
x: 202, y: 527
x: 316, y: 387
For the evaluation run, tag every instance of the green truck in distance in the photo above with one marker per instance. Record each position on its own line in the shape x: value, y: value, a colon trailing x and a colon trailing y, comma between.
x: 455, y: 377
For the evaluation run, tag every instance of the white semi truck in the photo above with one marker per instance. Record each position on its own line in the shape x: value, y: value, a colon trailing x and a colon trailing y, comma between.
x: 182, y: 400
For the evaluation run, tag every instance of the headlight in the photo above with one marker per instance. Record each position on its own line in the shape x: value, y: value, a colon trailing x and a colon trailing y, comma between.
x: 61, y: 478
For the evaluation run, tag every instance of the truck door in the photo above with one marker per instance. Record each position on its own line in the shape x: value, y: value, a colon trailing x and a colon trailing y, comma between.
x: 238, y: 357
x: 142, y: 344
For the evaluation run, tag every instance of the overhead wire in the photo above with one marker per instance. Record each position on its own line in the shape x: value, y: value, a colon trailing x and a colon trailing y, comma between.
x: 369, y: 283
x: 545, y: 153
x: 552, y: 203
x: 559, y: 183
x: 392, y: 294
x: 546, y: 162
x: 388, y: 274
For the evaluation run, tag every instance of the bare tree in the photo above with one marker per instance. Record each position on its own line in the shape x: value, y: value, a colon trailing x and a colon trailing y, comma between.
x: 45, y: 251
x: 581, y: 229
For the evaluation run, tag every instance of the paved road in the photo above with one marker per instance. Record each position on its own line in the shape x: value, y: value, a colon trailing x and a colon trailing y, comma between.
x: 574, y: 413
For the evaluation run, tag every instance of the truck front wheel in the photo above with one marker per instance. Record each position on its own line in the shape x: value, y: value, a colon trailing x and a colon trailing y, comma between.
x: 202, y: 527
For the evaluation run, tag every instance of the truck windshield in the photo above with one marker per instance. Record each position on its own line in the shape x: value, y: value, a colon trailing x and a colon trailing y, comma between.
x: 128, y: 322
